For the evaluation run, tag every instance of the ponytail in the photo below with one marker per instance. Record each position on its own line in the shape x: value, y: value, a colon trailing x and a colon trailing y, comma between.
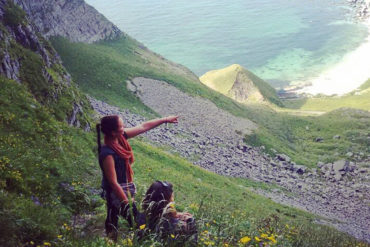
x: 107, y: 125
x: 98, y: 132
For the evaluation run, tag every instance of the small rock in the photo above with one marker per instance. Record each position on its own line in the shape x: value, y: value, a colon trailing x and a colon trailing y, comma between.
x: 349, y: 154
x: 319, y: 139
x: 299, y: 169
x: 283, y: 157
x: 362, y: 170
x: 320, y: 164
x: 336, y: 137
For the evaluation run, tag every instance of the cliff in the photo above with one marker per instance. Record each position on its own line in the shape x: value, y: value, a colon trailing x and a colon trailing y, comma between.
x: 28, y: 58
x: 73, y: 19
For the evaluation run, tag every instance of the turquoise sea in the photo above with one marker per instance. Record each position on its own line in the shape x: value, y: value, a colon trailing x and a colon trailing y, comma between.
x: 282, y: 41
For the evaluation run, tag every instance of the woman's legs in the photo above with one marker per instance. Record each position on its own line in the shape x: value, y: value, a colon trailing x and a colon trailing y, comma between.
x: 113, y: 213
x: 111, y: 222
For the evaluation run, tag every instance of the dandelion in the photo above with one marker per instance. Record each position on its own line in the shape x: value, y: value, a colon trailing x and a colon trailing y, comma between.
x: 257, y: 239
x: 245, y: 240
x: 142, y: 227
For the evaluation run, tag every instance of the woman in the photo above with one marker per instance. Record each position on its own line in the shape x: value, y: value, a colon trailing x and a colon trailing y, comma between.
x: 116, y: 159
x: 162, y: 217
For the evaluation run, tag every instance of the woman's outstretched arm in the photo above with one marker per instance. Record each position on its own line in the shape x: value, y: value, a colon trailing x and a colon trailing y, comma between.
x: 137, y: 130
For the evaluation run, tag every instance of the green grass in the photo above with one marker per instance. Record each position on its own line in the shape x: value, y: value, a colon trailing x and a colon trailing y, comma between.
x: 358, y: 100
x: 13, y: 14
x: 37, y: 154
x: 295, y: 135
x: 102, y: 69
x: 45, y: 161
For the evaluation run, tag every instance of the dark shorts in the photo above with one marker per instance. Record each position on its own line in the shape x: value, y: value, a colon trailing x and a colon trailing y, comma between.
x: 128, y: 188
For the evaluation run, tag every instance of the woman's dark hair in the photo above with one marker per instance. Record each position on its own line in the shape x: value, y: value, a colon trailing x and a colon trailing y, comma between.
x: 107, y: 125
x: 156, y: 199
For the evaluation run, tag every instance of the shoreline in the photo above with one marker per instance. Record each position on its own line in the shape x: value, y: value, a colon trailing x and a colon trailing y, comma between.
x: 346, y: 76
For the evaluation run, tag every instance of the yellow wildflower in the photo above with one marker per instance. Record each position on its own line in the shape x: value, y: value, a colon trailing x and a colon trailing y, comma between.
x: 257, y: 239
x: 127, y: 242
x: 225, y: 245
x: 32, y: 243
x: 264, y: 235
x: 245, y: 240
x: 272, y: 239
x: 172, y: 236
x: 47, y: 244
x: 60, y: 236
x: 142, y: 227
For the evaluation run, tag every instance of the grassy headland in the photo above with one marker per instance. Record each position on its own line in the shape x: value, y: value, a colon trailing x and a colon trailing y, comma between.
x: 223, y: 80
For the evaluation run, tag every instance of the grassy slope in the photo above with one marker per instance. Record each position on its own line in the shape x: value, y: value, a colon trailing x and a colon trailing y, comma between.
x: 62, y: 154
x: 295, y: 135
x: 95, y: 66
x: 359, y: 99
x: 326, y: 104
x: 37, y: 154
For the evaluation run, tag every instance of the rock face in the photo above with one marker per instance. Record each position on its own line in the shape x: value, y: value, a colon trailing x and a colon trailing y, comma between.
x: 19, y: 41
x: 244, y: 90
x: 73, y: 19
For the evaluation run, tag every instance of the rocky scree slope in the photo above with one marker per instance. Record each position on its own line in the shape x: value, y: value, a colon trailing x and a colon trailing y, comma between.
x: 211, y: 139
x: 28, y: 58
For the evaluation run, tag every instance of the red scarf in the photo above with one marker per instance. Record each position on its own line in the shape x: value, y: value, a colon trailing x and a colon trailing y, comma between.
x: 124, y: 150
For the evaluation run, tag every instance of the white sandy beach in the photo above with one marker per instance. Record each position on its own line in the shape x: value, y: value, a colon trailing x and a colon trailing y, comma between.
x: 352, y: 71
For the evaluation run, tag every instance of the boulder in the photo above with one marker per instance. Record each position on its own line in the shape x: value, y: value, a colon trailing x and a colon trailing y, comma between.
x: 340, y: 165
